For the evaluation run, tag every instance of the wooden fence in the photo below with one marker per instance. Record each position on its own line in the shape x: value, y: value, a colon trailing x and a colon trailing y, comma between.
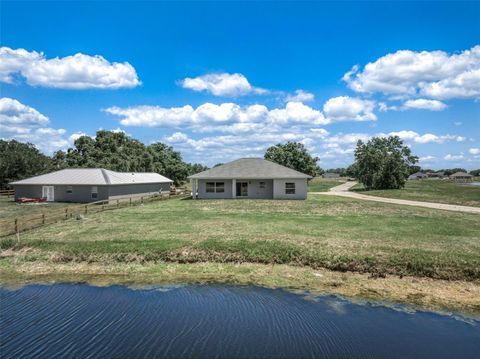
x: 19, y: 224
x: 7, y: 192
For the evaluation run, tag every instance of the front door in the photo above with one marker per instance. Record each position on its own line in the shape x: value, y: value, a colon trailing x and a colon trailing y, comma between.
x: 47, y: 192
x: 242, y: 189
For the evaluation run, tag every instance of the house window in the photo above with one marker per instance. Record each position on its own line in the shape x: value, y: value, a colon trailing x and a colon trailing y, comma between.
x: 290, y: 188
x: 69, y: 189
x: 219, y: 187
x: 215, y: 187
x: 94, y: 192
x: 210, y: 187
x: 262, y: 185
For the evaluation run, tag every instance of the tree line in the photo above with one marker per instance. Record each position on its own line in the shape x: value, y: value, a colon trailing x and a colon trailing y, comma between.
x: 111, y: 150
x: 380, y: 163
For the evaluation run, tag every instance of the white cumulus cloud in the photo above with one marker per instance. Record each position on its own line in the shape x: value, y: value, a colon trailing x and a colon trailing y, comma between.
x: 436, y: 74
x: 344, y: 108
x: 222, y: 84
x: 450, y: 157
x: 17, y: 117
x: 78, y: 71
x: 474, y: 151
x: 26, y: 124
x: 427, y: 158
x: 424, y: 104
x: 224, y: 117
x: 427, y: 137
x: 300, y: 96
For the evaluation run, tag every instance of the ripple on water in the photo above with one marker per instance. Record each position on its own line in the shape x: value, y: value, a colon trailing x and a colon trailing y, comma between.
x: 71, y: 320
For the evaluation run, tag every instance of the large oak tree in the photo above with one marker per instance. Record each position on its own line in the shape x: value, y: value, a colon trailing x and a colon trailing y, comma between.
x: 294, y: 155
x: 383, y: 163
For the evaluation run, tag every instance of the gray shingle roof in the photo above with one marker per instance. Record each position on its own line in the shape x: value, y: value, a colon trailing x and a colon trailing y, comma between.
x: 93, y: 176
x: 250, y: 168
x: 461, y: 174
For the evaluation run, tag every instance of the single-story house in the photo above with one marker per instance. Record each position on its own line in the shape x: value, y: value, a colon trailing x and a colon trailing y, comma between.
x: 435, y: 174
x: 417, y: 176
x: 461, y: 176
x: 331, y: 175
x: 250, y: 178
x: 89, y: 185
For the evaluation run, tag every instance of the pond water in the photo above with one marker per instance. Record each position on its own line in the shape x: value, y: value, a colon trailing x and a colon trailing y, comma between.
x: 76, y: 320
x: 476, y: 184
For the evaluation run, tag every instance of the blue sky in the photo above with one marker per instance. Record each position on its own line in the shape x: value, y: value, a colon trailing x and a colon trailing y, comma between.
x: 219, y: 81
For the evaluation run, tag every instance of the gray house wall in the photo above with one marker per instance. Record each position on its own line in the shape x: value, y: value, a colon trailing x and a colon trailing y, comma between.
x: 300, y: 189
x: 83, y: 193
x: 274, y: 189
x: 202, y: 189
x: 254, y: 190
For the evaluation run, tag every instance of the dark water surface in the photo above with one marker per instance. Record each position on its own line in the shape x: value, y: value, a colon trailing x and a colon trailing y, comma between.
x: 69, y: 320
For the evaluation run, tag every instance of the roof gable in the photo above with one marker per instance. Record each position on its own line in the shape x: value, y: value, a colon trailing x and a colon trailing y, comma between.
x: 250, y: 168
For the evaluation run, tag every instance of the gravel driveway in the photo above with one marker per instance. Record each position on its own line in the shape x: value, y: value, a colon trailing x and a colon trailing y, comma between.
x: 343, y: 191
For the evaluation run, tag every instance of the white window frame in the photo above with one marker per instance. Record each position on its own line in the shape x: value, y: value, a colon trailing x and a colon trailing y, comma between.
x: 290, y: 187
x: 218, y: 187
x: 94, y: 192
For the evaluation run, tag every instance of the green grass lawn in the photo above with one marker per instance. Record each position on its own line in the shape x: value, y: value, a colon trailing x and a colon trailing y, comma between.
x: 9, y: 208
x: 319, y: 184
x: 429, y: 190
x: 322, y: 232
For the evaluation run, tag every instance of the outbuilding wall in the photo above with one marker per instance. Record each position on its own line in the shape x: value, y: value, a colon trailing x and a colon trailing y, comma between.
x: 83, y: 193
x: 80, y: 194
x: 137, y: 189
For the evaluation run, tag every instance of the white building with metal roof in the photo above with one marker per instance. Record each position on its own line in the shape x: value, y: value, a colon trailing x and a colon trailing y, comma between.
x: 250, y: 178
x: 89, y: 185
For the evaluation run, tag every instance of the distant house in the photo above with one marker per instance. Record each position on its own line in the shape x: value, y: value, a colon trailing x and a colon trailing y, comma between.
x: 331, y: 175
x: 250, y: 178
x: 417, y: 176
x: 435, y: 174
x: 89, y: 185
x: 461, y: 176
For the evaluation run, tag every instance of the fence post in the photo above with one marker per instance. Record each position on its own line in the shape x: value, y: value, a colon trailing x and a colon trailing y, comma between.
x: 86, y: 209
x: 118, y: 201
x: 103, y: 205
x: 66, y: 213
x: 141, y: 199
x: 130, y: 201
x: 16, y: 225
x: 43, y: 218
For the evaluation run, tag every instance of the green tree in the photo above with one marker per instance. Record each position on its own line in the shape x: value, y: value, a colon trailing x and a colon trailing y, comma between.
x: 168, y: 162
x: 21, y: 160
x: 451, y: 171
x: 118, y: 152
x: 383, y: 162
x: 351, y: 171
x: 341, y: 171
x: 196, y: 168
x: 414, y: 169
x: 294, y: 155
